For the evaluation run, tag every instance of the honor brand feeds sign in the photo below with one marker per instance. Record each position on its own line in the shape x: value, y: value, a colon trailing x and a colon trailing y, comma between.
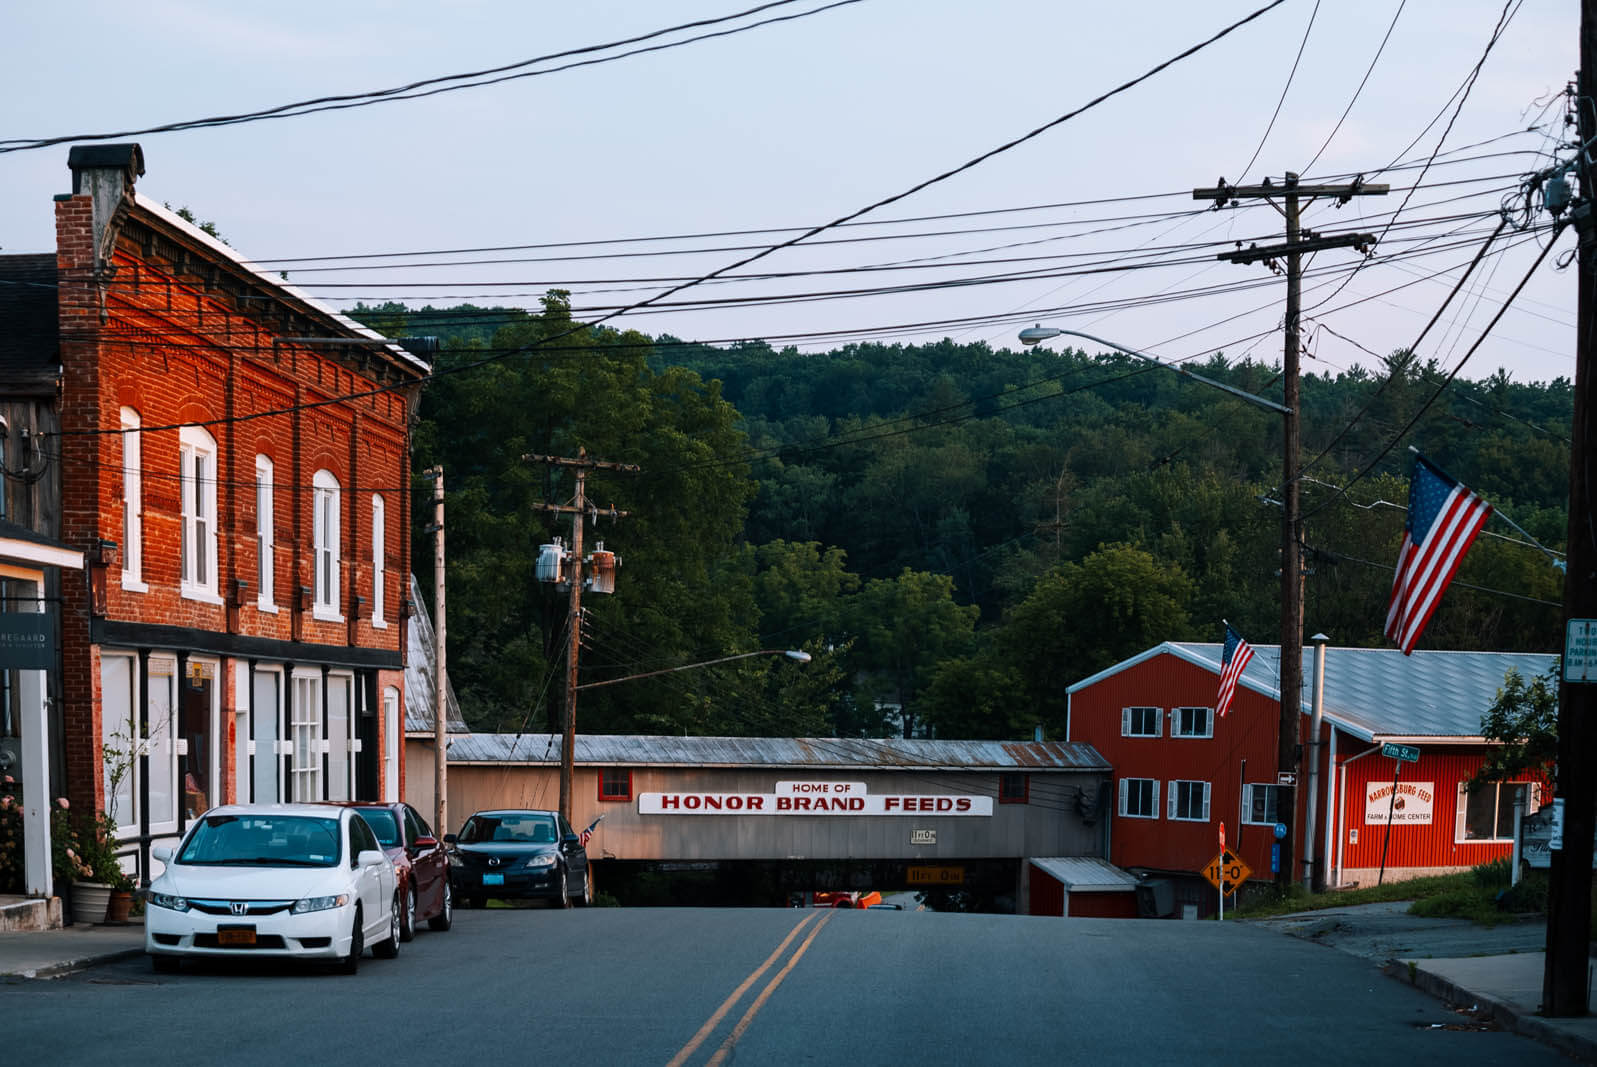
x: 812, y: 798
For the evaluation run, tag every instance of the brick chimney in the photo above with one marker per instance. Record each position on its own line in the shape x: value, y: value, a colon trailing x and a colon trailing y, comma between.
x: 102, y: 184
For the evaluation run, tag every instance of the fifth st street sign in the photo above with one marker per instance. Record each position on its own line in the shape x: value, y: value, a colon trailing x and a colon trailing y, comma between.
x: 1405, y: 753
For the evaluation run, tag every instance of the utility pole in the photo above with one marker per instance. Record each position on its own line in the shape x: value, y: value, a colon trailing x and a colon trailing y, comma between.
x: 577, y: 509
x: 1565, y: 978
x: 440, y: 678
x: 1298, y: 241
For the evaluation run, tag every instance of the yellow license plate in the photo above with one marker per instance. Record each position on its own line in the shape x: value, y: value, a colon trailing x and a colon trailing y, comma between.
x: 236, y: 938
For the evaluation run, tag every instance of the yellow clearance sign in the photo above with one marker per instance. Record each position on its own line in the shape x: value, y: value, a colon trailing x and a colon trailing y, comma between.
x: 936, y: 875
x: 1227, y: 868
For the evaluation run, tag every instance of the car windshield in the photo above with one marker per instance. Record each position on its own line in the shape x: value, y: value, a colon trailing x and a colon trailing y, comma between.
x: 383, y: 824
x: 263, y: 841
x: 519, y: 828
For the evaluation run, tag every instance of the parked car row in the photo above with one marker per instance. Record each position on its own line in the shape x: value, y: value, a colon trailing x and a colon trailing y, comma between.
x: 298, y: 881
x: 324, y: 881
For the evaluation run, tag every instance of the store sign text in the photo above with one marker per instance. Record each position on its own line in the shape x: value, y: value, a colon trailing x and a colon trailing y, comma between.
x: 846, y: 802
x: 1412, y: 804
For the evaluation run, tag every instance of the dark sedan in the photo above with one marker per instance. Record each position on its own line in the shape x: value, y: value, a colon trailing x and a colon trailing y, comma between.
x: 420, y: 864
x: 520, y: 854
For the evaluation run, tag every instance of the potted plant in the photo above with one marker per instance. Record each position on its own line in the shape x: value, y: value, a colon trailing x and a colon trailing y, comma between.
x: 104, y: 892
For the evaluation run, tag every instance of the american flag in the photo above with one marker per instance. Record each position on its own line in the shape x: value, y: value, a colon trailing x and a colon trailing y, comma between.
x: 588, y: 833
x: 1443, y: 519
x: 1232, y: 663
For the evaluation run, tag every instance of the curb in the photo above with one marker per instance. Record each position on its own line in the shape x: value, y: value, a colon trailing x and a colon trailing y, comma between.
x: 64, y: 967
x: 1526, y: 1024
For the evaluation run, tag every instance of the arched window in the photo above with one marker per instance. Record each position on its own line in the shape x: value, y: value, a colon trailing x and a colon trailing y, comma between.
x: 132, y: 503
x: 325, y: 539
x: 378, y: 577
x: 265, y: 565
x: 197, y: 475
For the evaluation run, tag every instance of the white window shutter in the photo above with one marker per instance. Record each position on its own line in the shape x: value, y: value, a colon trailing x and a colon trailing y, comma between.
x: 1205, y: 801
x: 1124, y: 783
x: 1125, y: 727
x: 1170, y: 802
x: 1158, y: 722
x: 1153, y: 809
x: 1458, y: 816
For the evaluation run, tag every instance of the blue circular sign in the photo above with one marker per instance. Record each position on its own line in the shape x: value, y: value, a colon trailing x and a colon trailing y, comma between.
x: 1280, y: 830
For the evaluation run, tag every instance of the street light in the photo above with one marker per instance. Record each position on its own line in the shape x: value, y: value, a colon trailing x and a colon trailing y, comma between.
x: 791, y: 653
x: 1035, y: 334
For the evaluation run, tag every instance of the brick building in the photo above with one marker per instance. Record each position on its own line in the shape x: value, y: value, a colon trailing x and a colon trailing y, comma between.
x: 233, y: 459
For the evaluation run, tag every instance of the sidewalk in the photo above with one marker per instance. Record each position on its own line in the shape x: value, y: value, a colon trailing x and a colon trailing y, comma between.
x: 1492, y: 972
x: 51, y: 952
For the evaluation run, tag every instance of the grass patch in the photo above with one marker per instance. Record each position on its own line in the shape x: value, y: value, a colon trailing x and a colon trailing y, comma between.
x: 1483, y: 895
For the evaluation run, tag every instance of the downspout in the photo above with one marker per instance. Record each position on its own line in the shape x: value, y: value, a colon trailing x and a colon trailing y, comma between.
x: 1332, y: 816
x: 1341, y: 844
x: 1317, y: 705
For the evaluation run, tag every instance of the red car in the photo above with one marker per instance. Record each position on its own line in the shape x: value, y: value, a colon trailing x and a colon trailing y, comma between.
x: 420, y: 864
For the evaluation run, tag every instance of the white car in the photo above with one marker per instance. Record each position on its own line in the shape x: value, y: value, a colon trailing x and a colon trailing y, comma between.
x: 302, y: 881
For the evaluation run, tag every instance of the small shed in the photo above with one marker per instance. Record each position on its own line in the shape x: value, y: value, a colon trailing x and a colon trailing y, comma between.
x: 1081, y: 887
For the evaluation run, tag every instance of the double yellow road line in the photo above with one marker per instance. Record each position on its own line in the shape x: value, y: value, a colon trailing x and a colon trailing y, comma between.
x: 754, y: 1007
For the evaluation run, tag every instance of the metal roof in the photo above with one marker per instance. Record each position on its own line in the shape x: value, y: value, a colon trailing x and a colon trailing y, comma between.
x: 420, y: 664
x: 840, y: 753
x: 1086, y: 874
x: 1376, y: 692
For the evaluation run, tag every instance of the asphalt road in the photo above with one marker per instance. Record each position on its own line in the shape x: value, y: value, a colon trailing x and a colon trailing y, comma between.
x: 705, y: 986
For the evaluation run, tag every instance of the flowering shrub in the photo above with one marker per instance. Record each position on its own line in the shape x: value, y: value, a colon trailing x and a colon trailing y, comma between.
x: 68, y: 864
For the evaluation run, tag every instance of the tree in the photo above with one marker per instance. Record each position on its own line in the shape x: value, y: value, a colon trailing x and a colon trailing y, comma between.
x: 1523, y: 720
x: 906, y: 627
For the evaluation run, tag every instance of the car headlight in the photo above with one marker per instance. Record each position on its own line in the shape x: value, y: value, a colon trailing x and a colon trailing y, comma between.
x: 542, y: 860
x: 169, y: 901
x: 319, y: 903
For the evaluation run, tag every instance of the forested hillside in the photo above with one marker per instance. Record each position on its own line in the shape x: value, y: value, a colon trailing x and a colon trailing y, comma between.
x: 956, y: 529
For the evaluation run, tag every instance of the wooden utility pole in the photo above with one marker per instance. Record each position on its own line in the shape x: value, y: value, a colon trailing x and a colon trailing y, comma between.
x: 440, y: 678
x: 1565, y: 978
x: 1298, y: 241
x: 577, y: 509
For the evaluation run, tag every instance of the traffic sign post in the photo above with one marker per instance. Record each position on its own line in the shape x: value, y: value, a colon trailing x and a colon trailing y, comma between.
x: 1401, y: 754
x: 1226, y: 869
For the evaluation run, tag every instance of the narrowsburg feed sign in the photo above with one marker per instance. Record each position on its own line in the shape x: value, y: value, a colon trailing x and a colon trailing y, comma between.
x: 1411, y: 807
x: 813, y: 798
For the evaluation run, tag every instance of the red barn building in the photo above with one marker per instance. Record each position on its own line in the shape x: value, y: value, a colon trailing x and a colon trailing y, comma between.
x: 1180, y: 771
x: 233, y: 459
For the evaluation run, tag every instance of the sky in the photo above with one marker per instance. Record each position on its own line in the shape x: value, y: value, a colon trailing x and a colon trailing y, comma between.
x: 1090, y: 225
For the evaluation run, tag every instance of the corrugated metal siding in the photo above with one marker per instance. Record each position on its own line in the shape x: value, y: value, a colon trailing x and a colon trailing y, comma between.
x: 1247, y: 733
x: 420, y: 669
x: 1414, y: 846
x: 1052, y: 824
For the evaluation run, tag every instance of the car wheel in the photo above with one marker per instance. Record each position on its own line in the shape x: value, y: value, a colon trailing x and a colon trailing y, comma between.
x: 565, y: 890
x: 446, y: 917
x: 407, y: 919
x: 165, y: 964
x: 389, y: 948
x: 350, y: 964
x: 587, y: 888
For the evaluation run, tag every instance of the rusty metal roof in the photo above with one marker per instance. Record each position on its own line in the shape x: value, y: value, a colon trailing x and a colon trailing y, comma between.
x: 889, y: 754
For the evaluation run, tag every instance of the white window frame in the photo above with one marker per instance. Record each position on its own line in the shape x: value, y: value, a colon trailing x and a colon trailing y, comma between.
x: 326, y: 534
x: 1181, y: 795
x: 197, y: 467
x: 266, y: 742
x: 132, y: 502
x: 1533, y: 803
x: 1272, y: 790
x: 391, y: 726
x: 1178, y: 725
x: 342, y: 743
x: 265, y: 536
x: 307, y: 743
x: 379, y: 548
x: 1128, y: 721
x: 1125, y: 796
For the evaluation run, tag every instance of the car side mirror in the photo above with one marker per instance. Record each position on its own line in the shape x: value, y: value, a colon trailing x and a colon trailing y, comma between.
x: 572, y: 839
x: 161, y: 853
x: 425, y: 842
x: 451, y: 839
x: 370, y: 857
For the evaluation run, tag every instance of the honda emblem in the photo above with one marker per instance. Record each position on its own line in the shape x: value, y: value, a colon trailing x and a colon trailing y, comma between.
x: 239, y: 907
x: 493, y: 861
